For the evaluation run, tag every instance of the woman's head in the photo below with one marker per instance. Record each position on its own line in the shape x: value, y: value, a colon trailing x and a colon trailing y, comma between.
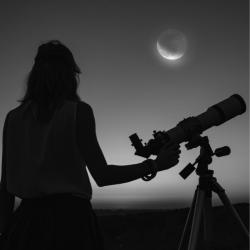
x: 54, y: 52
x: 54, y: 75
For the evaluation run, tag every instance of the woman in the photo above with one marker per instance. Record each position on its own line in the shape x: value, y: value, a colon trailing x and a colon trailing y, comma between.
x: 47, y: 143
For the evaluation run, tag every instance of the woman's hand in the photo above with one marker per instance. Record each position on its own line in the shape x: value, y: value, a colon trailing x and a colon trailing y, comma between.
x: 168, y: 156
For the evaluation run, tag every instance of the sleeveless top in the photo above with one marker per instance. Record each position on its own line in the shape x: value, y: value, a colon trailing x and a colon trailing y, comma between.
x: 43, y: 158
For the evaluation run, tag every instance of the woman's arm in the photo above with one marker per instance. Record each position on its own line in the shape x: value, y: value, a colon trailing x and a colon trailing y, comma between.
x: 102, y: 173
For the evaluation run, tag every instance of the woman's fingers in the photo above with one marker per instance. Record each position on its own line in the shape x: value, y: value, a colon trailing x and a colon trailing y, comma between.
x: 173, y: 148
x: 169, y: 155
x: 170, y: 146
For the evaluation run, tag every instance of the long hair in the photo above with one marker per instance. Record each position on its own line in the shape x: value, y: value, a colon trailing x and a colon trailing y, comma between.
x: 53, y: 79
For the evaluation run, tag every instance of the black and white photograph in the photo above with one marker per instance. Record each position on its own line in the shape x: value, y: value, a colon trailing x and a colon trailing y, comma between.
x: 124, y: 125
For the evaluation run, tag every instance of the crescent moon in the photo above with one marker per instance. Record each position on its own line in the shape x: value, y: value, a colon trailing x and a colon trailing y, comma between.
x: 168, y: 55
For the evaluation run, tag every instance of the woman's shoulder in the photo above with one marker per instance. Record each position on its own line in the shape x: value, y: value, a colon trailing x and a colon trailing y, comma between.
x: 83, y: 106
x: 84, y: 111
x: 84, y: 118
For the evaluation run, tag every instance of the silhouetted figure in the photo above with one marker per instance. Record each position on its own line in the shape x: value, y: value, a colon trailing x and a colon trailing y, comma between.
x: 48, y: 141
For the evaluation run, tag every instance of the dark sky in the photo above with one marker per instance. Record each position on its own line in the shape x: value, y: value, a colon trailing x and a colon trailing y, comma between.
x: 131, y: 89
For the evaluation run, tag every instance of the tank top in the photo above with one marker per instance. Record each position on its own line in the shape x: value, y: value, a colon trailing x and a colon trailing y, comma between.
x: 43, y: 158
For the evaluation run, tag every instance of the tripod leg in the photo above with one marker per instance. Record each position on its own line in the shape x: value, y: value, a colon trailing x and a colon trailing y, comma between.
x: 188, y: 223
x: 225, y: 200
x: 208, y: 220
x: 196, y: 219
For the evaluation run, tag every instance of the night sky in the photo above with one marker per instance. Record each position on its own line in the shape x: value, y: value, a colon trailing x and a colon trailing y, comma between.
x: 132, y: 90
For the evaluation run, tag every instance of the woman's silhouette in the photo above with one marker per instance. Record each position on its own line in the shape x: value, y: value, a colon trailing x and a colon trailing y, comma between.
x: 48, y: 141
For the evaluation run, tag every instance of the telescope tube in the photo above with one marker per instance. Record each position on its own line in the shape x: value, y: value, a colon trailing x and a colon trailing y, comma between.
x: 213, y: 116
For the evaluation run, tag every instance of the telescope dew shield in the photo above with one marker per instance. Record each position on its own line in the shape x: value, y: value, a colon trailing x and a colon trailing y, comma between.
x: 222, y: 112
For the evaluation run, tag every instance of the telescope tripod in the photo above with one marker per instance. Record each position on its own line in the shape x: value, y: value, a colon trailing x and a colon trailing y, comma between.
x: 202, y: 203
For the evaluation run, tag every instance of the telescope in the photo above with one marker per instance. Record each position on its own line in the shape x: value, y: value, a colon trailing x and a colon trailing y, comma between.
x: 190, y: 130
x: 190, y: 127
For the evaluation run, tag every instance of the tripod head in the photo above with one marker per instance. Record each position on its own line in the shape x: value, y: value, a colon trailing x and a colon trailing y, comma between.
x: 205, y: 157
